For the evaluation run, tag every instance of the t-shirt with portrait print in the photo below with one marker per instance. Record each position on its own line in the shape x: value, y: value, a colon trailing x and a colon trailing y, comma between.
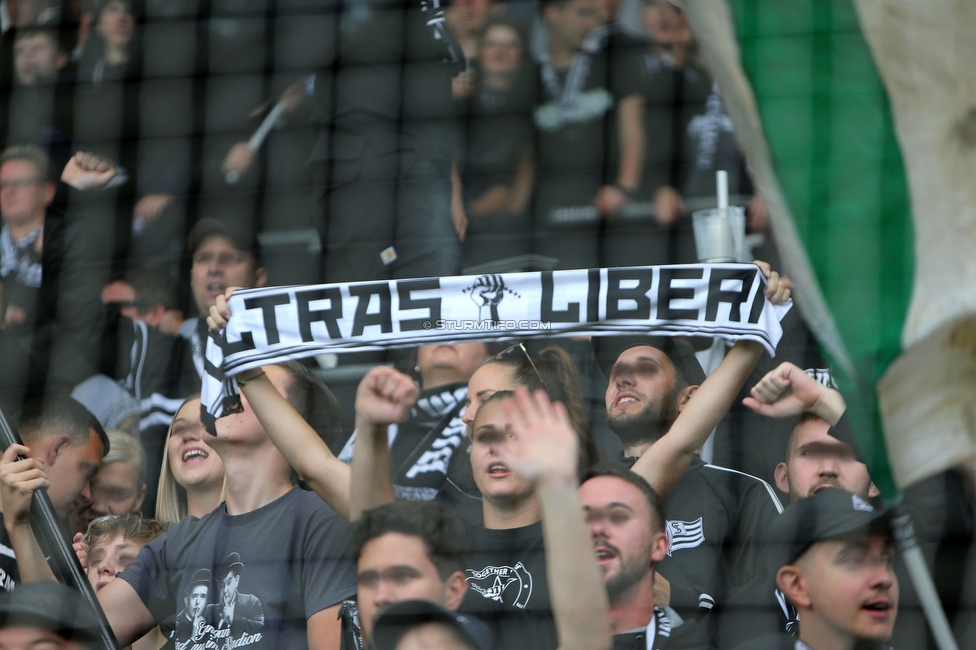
x: 247, y: 581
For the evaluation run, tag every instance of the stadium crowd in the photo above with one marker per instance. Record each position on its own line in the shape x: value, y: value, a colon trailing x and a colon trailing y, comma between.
x: 622, y: 492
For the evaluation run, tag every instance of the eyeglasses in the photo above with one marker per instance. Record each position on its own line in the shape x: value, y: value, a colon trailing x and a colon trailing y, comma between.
x: 521, y: 346
x: 18, y: 183
x: 99, y: 520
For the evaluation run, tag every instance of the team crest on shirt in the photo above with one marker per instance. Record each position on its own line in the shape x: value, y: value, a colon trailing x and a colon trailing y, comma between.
x: 684, y: 534
x: 503, y: 584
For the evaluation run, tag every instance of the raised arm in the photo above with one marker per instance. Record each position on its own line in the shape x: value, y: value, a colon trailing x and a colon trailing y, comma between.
x: 665, y: 462
x: 543, y: 449
x: 291, y: 434
x: 18, y: 481
x: 384, y: 396
x: 788, y: 390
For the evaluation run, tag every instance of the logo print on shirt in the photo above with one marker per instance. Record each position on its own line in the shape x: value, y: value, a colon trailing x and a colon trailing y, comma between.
x: 503, y: 584
x: 684, y: 534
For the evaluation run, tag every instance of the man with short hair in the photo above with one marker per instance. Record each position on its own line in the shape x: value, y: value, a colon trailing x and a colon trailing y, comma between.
x: 37, y: 57
x: 292, y: 543
x: 715, y: 514
x: 626, y: 520
x: 817, y: 454
x: 816, y: 460
x: 408, y: 550
x: 836, y: 566
x: 63, y: 446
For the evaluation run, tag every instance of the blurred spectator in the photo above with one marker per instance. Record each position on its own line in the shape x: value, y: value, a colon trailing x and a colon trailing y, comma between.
x: 191, y: 481
x: 37, y: 57
x: 39, y: 108
x: 497, y: 162
x: 689, y: 138
x: 120, y: 484
x: 115, y: 27
x: 383, y: 160
x: 25, y: 194
x: 146, y: 295
x: 48, y: 615
x: 24, y: 13
x: 590, y: 131
x: 466, y: 18
x: 223, y: 256
x: 421, y: 448
x: 63, y: 446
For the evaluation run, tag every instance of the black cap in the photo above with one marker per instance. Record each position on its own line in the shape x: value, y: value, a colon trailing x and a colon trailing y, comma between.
x: 682, y: 355
x: 242, y: 238
x: 52, y: 607
x: 828, y: 514
x: 232, y: 564
x: 201, y: 577
x: 399, y: 618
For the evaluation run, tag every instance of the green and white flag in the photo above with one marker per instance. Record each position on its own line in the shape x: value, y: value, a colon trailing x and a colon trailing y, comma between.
x: 858, y: 119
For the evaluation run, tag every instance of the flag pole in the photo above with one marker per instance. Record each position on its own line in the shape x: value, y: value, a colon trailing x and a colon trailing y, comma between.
x: 52, y: 539
x: 911, y: 552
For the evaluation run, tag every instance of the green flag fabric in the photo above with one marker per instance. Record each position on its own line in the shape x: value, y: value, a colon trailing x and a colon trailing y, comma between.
x: 813, y: 115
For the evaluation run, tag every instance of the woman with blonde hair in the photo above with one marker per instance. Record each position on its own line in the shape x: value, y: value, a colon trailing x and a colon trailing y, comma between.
x: 191, y: 481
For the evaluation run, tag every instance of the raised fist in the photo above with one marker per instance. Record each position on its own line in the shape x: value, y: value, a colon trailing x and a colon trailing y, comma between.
x: 488, y: 291
x: 385, y: 396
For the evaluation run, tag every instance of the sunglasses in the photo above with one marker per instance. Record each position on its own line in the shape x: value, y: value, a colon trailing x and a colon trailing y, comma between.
x: 520, y: 346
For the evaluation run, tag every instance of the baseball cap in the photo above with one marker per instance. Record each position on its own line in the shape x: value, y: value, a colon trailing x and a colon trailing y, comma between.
x: 828, y: 514
x: 241, y: 237
x: 399, y: 618
x: 53, y: 607
x: 682, y: 355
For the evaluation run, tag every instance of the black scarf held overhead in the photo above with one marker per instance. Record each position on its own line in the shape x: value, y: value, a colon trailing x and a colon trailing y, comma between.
x: 276, y: 324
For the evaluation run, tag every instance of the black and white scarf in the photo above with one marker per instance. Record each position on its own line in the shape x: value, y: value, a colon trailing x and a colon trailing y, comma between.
x: 19, y: 257
x: 273, y: 325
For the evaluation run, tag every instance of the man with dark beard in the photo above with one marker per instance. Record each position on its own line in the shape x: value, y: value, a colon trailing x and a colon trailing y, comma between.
x: 716, y: 515
x: 625, y: 517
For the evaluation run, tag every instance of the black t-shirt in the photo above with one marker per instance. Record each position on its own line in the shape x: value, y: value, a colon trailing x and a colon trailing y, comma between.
x: 496, y: 128
x: 9, y: 575
x: 716, y: 518
x: 578, y: 143
x: 508, y: 587
x: 689, y: 136
x: 387, y: 87
x: 269, y: 570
